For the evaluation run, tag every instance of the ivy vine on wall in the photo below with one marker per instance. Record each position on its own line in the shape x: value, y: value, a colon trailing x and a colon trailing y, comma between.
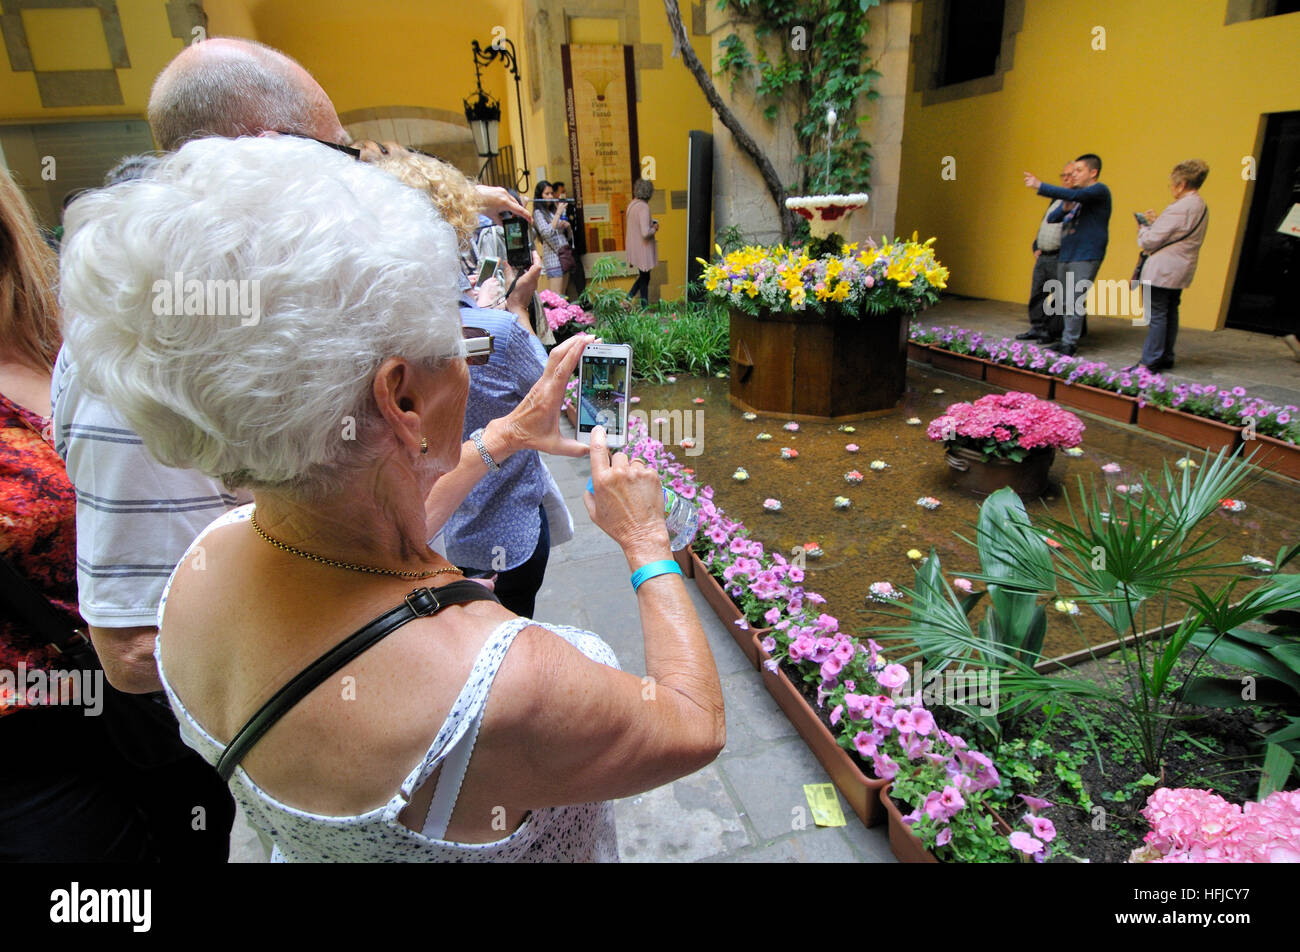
x: 810, y: 55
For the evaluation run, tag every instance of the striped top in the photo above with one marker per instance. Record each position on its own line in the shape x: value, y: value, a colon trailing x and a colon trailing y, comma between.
x: 135, y: 516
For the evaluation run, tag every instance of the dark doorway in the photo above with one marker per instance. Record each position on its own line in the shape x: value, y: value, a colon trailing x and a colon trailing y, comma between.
x: 1266, y: 295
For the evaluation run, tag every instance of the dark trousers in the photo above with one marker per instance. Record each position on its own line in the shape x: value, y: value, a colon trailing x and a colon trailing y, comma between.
x: 1162, y: 312
x: 1041, y: 322
x: 641, y: 287
x: 517, y: 588
x: 69, y: 794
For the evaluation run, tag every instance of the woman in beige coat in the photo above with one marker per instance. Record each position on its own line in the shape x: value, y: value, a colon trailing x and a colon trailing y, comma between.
x: 1173, y: 242
x: 642, y: 249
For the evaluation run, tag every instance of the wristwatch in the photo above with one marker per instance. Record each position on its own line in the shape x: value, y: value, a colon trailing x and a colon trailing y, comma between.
x: 492, y: 465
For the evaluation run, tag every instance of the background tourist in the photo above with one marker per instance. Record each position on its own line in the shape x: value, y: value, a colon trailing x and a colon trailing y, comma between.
x: 1044, y: 327
x: 642, y: 249
x: 1084, y: 236
x: 1172, y: 244
x: 548, y: 221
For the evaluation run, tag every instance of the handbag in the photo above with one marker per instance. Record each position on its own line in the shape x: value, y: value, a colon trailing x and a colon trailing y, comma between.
x: 567, y: 260
x: 1143, y: 255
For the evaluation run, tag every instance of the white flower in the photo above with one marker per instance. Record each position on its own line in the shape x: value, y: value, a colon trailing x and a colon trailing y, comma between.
x: 772, y: 505
x: 1066, y: 606
x: 1073, y: 451
x: 764, y: 437
x: 928, y: 502
x: 749, y: 416
x: 914, y: 421
x: 879, y: 464
x: 841, y: 502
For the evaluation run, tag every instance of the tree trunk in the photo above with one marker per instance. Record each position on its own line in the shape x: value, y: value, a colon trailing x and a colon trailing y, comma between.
x: 728, y: 118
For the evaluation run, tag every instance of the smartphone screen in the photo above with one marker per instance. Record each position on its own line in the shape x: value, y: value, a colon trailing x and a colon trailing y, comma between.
x: 487, y: 270
x: 603, y: 391
x: 518, y: 252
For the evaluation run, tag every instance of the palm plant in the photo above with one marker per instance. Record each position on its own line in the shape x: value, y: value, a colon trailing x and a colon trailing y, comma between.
x: 1140, y: 562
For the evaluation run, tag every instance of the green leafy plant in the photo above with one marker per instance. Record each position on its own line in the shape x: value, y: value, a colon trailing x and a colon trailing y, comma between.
x: 812, y: 53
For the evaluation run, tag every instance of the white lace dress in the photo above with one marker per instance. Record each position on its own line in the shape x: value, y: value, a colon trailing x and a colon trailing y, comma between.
x: 581, y: 833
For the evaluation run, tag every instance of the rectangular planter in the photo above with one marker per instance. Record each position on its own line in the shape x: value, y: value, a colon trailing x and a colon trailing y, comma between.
x: 727, y: 611
x: 962, y: 365
x: 918, y: 352
x: 685, y: 560
x: 861, y: 792
x: 1024, y: 381
x: 1276, y: 455
x: 1196, y: 431
x: 905, y: 847
x: 1113, y: 406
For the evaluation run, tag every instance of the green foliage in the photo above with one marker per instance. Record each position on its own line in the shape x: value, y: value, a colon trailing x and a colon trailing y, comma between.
x: 731, y: 239
x: 673, y: 337
x: 813, y: 53
x: 1142, y: 565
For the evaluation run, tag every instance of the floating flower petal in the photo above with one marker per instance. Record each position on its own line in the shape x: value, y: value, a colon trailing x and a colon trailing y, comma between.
x: 928, y: 502
x: 853, y: 476
x: 879, y: 464
x: 788, y: 452
x: 740, y: 475
x: 772, y: 505
x: 841, y: 502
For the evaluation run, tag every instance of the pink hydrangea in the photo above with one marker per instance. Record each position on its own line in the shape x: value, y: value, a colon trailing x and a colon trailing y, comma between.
x: 1018, y: 418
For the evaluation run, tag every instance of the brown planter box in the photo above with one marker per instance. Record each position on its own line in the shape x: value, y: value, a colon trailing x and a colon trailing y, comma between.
x: 1196, y: 431
x: 813, y: 367
x: 918, y: 352
x: 963, y: 365
x: 1113, y: 406
x: 727, y: 611
x: 1276, y: 455
x: 685, y: 560
x: 1025, y: 381
x: 862, y: 792
x: 905, y: 847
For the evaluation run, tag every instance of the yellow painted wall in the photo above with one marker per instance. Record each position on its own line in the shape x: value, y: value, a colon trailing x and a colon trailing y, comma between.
x: 149, y: 44
x: 671, y: 106
x: 1173, y: 83
x: 388, y: 52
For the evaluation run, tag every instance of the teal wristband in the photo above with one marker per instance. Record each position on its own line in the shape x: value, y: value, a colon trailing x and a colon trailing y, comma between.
x: 646, y: 572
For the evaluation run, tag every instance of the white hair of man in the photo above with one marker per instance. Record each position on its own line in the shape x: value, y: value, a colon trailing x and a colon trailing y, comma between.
x: 346, y: 266
x: 232, y: 87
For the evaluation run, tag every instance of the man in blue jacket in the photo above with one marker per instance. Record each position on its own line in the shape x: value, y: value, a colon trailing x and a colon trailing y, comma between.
x: 1084, y: 235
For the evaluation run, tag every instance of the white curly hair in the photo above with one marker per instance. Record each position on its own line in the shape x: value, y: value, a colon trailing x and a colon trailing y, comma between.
x: 347, y: 267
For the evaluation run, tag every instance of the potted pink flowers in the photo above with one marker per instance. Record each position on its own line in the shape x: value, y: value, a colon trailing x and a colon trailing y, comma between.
x: 1005, y: 439
x: 562, y: 317
x: 1197, y: 826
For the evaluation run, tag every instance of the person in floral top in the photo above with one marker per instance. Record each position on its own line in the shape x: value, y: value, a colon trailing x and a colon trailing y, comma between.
x: 76, y: 791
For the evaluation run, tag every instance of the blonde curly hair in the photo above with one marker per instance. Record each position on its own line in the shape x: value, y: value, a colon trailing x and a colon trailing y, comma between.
x: 453, y: 194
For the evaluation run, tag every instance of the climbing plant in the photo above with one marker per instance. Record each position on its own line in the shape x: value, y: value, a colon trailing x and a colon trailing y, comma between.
x: 810, y: 55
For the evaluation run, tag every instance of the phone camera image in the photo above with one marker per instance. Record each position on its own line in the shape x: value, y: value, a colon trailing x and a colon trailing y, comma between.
x: 604, y: 394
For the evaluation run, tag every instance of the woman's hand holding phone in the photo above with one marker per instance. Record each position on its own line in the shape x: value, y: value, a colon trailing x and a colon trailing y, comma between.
x: 627, y: 503
x: 535, y: 423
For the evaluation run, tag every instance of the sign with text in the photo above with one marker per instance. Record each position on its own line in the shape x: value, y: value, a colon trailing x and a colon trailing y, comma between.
x: 600, y: 100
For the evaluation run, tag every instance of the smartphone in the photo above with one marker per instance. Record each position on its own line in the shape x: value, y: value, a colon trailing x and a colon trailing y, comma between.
x: 1142, y: 219
x: 487, y: 270
x: 519, y: 250
x: 603, y: 377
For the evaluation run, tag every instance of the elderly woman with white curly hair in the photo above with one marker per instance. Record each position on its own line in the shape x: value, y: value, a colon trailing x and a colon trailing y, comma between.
x: 357, y: 718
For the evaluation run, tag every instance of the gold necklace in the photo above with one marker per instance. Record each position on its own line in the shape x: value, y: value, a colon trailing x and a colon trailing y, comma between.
x: 344, y: 565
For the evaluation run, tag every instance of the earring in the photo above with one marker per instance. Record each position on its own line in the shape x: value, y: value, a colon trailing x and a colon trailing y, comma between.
x: 424, y: 445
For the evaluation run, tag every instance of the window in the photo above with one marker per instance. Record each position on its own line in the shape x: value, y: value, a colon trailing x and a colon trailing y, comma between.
x: 965, y: 47
x: 972, y: 40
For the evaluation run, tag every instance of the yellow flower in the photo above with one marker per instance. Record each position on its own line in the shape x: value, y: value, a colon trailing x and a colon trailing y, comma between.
x: 913, y: 554
x: 841, y: 292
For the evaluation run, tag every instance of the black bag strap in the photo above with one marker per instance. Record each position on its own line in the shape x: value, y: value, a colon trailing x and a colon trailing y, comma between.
x: 34, y: 609
x: 1205, y: 211
x: 420, y: 603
